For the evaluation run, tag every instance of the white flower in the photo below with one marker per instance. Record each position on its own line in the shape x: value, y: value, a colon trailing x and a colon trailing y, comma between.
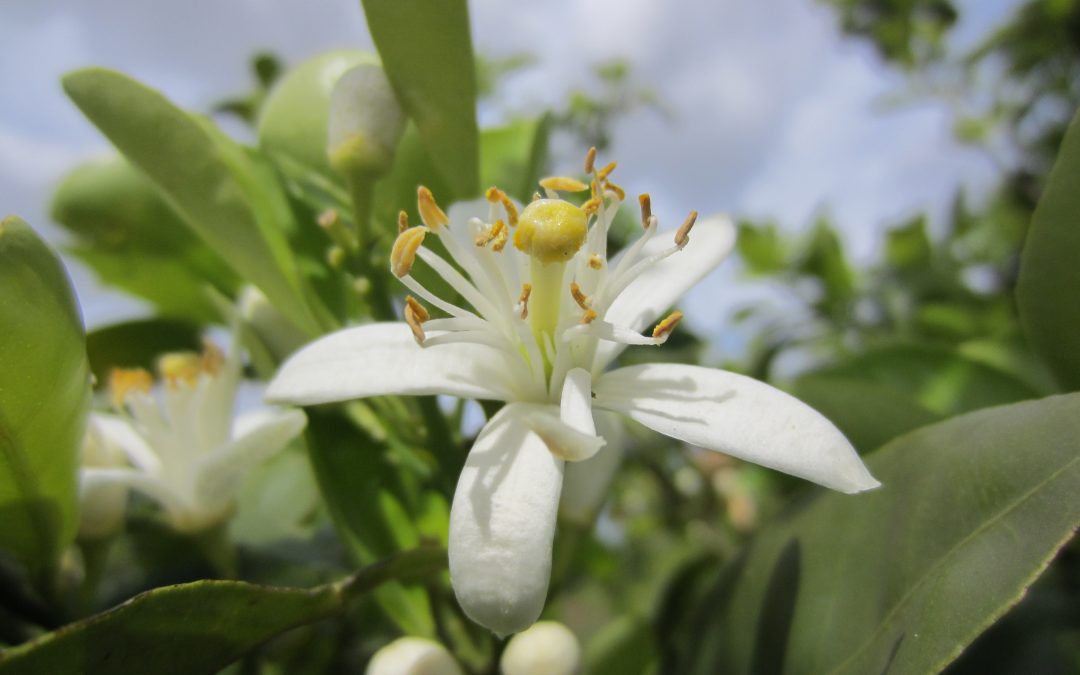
x: 413, y: 656
x: 548, y: 315
x: 545, y: 648
x: 184, y: 450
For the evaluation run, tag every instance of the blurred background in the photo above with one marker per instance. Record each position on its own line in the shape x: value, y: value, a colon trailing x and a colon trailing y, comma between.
x: 784, y: 111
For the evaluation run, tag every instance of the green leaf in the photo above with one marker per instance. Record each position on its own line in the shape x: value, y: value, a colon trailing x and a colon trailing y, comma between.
x: 868, y: 413
x: 211, y: 182
x: 427, y: 52
x: 1049, y: 276
x: 44, y: 399
x: 762, y: 248
x: 901, y: 579
x: 137, y: 344
x: 514, y: 156
x: 908, y: 246
x: 939, y: 379
x: 200, y: 627
x: 132, y: 239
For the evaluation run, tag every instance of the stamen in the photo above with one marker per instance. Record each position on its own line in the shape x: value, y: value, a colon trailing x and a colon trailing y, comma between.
x: 665, y: 327
x: 433, y: 216
x: 418, y: 310
x: 646, y: 209
x: 526, y: 291
x: 580, y: 298
x: 591, y: 206
x: 414, y: 319
x: 212, y: 358
x: 403, y: 253
x: 682, y: 235
x: 123, y: 381
x: 402, y: 221
x: 589, y: 316
x: 590, y: 159
x: 494, y: 195
x: 179, y: 367
x: 496, y: 233
x: 606, y: 171
x: 563, y: 184
x: 595, y: 261
x: 608, y: 185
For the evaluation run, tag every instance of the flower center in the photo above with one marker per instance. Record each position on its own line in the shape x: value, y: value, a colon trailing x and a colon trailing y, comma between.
x: 551, y: 230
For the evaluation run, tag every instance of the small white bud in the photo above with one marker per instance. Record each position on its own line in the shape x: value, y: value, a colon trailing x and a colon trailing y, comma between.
x: 413, y: 656
x: 366, y: 121
x: 547, y: 648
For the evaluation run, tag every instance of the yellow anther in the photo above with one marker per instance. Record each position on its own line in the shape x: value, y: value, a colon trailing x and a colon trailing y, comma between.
x: 590, y: 160
x: 664, y: 328
x: 591, y: 206
x: 589, y: 316
x: 580, y: 298
x: 551, y: 230
x: 403, y: 253
x: 402, y: 221
x: 213, y: 359
x: 597, y: 193
x: 493, y: 233
x: 123, y: 381
x: 682, y: 235
x: 501, y: 237
x: 606, y: 171
x: 608, y: 185
x: 430, y: 213
x: 526, y: 291
x: 494, y: 195
x: 563, y: 184
x: 595, y: 261
x: 180, y: 367
x: 646, y: 209
x: 415, y: 315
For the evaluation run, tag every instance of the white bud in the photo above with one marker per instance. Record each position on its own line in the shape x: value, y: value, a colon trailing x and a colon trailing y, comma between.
x: 366, y: 121
x: 413, y: 656
x: 547, y: 648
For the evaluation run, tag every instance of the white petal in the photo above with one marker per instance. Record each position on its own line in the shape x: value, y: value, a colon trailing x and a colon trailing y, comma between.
x: 412, y: 656
x: 218, y: 474
x: 117, y: 434
x: 563, y: 441
x: 657, y: 289
x: 586, y: 484
x: 383, y: 358
x: 736, y: 415
x: 150, y: 486
x: 502, y: 523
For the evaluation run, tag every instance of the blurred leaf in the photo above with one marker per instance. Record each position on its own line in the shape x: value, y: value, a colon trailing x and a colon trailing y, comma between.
x: 200, y: 627
x: 939, y: 379
x: 514, y: 156
x: 868, y: 413
x: 824, y: 258
x: 900, y: 580
x: 137, y: 344
x: 210, y: 181
x: 908, y: 246
x: 426, y: 50
x: 1049, y: 273
x: 132, y: 239
x: 44, y: 398
x: 761, y: 248
x: 625, y: 646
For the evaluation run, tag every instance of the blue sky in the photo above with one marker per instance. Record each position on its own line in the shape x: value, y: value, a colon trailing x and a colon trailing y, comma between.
x: 776, y: 115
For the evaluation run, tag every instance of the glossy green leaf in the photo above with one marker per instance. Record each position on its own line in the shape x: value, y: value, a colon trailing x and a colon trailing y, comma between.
x: 137, y: 344
x: 941, y: 380
x: 901, y: 579
x: 200, y: 627
x: 44, y: 398
x: 868, y: 413
x: 1049, y: 274
x: 427, y: 52
x: 211, y: 182
x: 127, y: 233
x: 514, y: 156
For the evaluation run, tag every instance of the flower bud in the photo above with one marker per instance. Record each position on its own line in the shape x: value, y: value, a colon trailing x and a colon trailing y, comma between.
x: 547, y: 648
x: 551, y: 230
x: 413, y: 656
x: 366, y: 122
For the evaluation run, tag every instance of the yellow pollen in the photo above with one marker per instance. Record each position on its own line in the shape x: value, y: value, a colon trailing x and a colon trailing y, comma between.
x: 430, y: 213
x: 682, y: 235
x: 496, y: 233
x: 580, y: 298
x: 589, y: 316
x: 402, y: 221
x: 415, y: 315
x: 590, y: 160
x: 606, y: 171
x: 501, y: 237
x: 597, y: 194
x: 664, y: 328
x: 646, y: 209
x: 526, y: 291
x: 608, y: 185
x: 123, y: 381
x: 403, y: 253
x: 563, y: 184
x: 180, y: 367
x: 551, y: 230
x: 591, y: 206
x: 595, y: 261
x: 494, y: 195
